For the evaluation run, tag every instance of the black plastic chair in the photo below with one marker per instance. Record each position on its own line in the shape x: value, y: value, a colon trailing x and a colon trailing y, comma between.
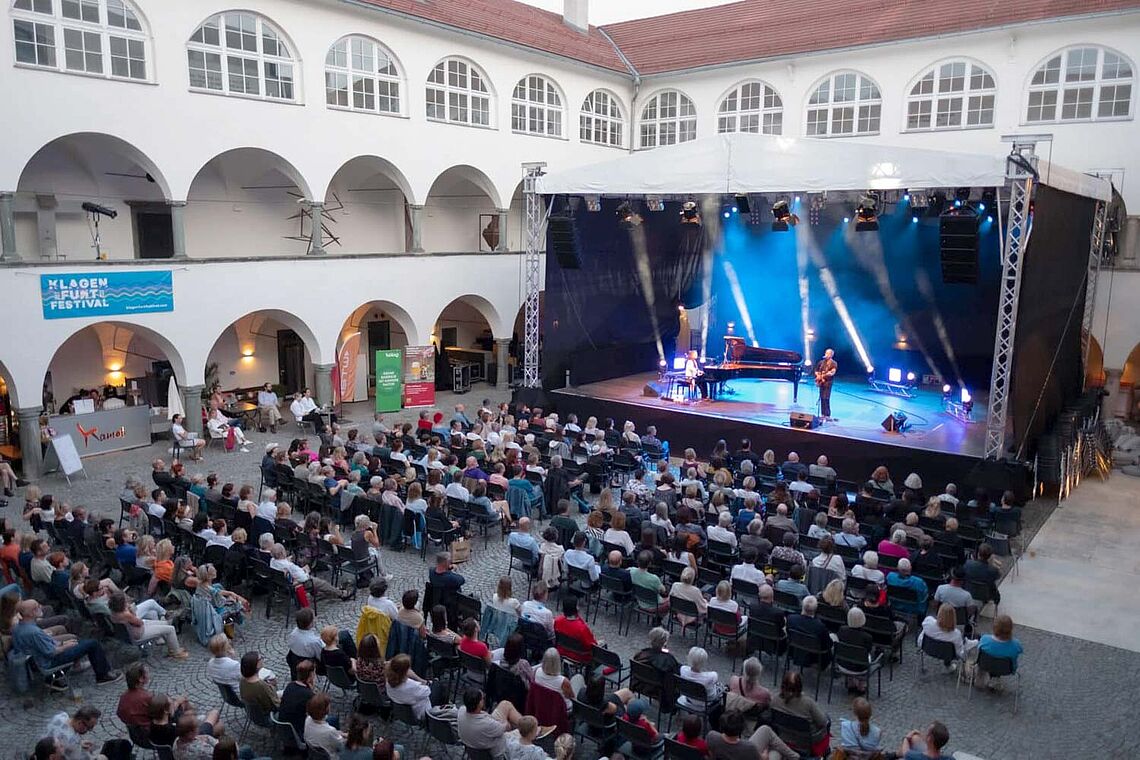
x: 998, y: 667
x: 794, y: 730
x: 808, y: 648
x: 765, y: 637
x: 444, y: 732
x: 286, y: 732
x: 687, y: 607
x: 613, y: 594
x: 675, y: 750
x: 575, y: 658
x: 943, y: 651
x: 608, y: 660
x: 644, y: 746
x: 722, y: 618
x: 696, y: 694
x: 592, y: 724
x: 854, y: 661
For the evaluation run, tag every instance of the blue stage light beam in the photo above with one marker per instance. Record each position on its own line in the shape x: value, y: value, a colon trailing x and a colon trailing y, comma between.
x: 805, y: 241
x: 832, y: 288
x: 741, y: 302
x: 922, y: 280
x: 645, y: 275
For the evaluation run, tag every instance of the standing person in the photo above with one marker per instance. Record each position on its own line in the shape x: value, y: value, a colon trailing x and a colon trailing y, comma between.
x: 267, y: 408
x: 824, y: 377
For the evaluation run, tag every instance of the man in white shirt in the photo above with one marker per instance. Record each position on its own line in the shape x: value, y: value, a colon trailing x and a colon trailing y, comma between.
x: 155, y: 506
x: 378, y: 599
x: 298, y: 575
x: 456, y: 490
x: 535, y: 609
x: 579, y: 557
x: 224, y: 668
x: 821, y: 469
x: 722, y: 531
x: 800, y: 484
x: 303, y: 640
x: 267, y: 509
x: 747, y: 570
x: 267, y: 406
x: 304, y: 408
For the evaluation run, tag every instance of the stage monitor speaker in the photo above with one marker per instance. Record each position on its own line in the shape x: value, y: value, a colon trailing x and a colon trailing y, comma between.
x: 894, y: 423
x: 958, y: 247
x: 564, y: 242
x: 655, y: 389
x: 803, y: 420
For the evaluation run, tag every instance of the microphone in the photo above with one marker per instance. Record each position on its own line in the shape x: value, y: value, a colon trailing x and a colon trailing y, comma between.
x: 95, y: 208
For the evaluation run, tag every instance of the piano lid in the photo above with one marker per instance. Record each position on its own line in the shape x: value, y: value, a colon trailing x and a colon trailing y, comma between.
x: 736, y: 350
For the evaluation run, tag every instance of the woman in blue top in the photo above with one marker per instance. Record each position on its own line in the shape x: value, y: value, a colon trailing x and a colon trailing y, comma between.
x: 1001, y: 642
x: 860, y: 738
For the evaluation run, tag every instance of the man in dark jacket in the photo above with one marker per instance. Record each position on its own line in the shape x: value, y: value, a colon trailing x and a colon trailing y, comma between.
x: 807, y: 623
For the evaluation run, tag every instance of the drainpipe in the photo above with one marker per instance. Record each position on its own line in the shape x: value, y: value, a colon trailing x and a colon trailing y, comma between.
x: 636, y: 88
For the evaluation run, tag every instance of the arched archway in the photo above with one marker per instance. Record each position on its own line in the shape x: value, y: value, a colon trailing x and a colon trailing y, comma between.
x: 118, y: 358
x: 8, y: 392
x: 248, y: 201
x: 266, y: 346
x: 1094, y: 367
x: 373, y: 195
x: 379, y: 325
x: 91, y: 167
x: 460, y: 206
x: 466, y: 330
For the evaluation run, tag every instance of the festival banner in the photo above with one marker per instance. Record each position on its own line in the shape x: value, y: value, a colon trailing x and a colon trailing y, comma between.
x: 389, y: 381
x: 346, y: 364
x: 419, y: 376
x: 74, y: 295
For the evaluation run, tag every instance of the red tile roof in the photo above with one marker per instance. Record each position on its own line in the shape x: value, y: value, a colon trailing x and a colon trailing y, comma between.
x: 758, y: 29
x: 513, y: 22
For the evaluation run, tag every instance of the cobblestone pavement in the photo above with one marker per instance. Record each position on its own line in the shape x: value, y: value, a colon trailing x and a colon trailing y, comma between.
x: 1073, y: 693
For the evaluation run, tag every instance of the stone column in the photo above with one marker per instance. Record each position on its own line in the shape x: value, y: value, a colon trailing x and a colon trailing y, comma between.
x: 192, y: 402
x: 8, y: 227
x: 502, y: 246
x: 1116, y: 403
x: 417, y: 217
x: 322, y: 376
x: 502, y: 353
x: 317, y: 245
x: 33, y: 455
x: 178, y: 227
x: 45, y: 227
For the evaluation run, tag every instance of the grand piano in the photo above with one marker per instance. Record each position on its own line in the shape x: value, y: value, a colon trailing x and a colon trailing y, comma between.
x: 743, y: 360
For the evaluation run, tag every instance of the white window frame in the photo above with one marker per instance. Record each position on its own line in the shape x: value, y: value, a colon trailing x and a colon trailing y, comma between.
x: 935, y: 89
x: 457, y: 96
x: 590, y: 121
x: 768, y: 114
x: 93, y: 31
x: 681, y: 126
x: 1056, y: 92
x: 859, y: 108
x: 227, y: 56
x: 353, y: 74
x: 541, y: 103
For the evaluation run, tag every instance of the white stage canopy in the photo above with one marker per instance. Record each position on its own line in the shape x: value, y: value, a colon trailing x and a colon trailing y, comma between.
x: 751, y: 163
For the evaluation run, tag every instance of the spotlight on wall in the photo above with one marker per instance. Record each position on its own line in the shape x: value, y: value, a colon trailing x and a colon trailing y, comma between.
x: 867, y: 213
x: 783, y: 218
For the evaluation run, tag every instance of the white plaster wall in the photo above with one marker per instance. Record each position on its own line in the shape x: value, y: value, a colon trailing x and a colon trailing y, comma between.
x: 80, y: 362
x: 1118, y: 307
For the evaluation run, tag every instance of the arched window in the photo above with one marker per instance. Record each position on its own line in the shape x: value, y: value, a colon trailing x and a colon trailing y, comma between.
x: 844, y: 103
x: 100, y: 37
x: 952, y: 95
x: 601, y: 121
x: 361, y: 75
x: 751, y: 107
x: 239, y: 53
x: 1088, y: 83
x: 536, y: 107
x: 668, y: 118
x: 457, y: 93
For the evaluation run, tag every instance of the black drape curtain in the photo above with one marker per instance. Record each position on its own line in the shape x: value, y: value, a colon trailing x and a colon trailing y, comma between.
x: 602, y: 319
x: 1047, y: 345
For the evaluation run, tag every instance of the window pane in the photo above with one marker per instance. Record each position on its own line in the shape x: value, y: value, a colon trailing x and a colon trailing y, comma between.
x: 844, y: 88
x: 1115, y: 67
x: 821, y: 93
x: 924, y: 86
x: 817, y: 121
x: 869, y: 119
x: 918, y: 114
x: 1050, y: 73
x: 35, y: 43
x: 981, y: 111
x: 1042, y: 106
x: 1114, y: 100
x: 1077, y: 103
x: 1081, y: 65
x: 842, y: 120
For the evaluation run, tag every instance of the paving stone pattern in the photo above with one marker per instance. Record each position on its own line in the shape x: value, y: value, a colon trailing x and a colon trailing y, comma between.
x: 1075, y: 695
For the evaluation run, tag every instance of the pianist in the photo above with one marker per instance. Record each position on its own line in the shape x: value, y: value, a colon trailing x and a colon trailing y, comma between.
x: 695, y: 375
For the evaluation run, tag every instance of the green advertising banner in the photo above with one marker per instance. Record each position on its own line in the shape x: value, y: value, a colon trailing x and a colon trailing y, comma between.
x: 389, y: 380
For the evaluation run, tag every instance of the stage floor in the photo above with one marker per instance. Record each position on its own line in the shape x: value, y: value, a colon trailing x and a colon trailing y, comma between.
x: 858, y: 409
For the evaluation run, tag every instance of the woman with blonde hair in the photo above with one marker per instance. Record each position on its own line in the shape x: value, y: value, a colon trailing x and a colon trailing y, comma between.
x: 833, y: 595
x: 550, y: 676
x: 933, y: 509
x: 564, y: 747
x: 723, y: 601
x: 617, y: 534
x: 660, y: 518
x: 628, y: 435
x: 685, y: 589
x: 606, y: 502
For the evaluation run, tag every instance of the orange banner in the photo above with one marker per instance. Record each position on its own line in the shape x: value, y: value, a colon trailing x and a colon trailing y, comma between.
x: 347, y: 366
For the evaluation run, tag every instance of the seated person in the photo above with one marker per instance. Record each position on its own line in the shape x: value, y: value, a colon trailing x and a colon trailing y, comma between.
x: 569, y: 624
x: 1001, y: 642
x: 522, y: 538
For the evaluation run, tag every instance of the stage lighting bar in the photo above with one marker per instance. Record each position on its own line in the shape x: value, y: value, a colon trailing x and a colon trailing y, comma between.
x: 654, y: 203
x: 782, y: 216
x: 815, y: 208
x: 919, y: 199
x: 960, y: 409
x: 897, y: 382
x: 690, y: 213
x: 867, y: 213
x: 593, y: 203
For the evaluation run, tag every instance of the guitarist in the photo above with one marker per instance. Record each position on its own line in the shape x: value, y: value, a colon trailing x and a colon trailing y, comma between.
x: 824, y: 376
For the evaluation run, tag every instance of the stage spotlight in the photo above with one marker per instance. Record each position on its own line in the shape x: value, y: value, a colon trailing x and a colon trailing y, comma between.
x: 867, y: 213
x: 946, y: 389
x: 846, y: 219
x: 965, y: 396
x: 989, y: 219
x: 783, y: 216
x: 962, y: 194
x: 741, y: 201
x: 981, y: 207
x: 906, y: 197
x: 690, y: 214
x: 797, y: 199
x: 910, y: 377
x: 654, y: 203
x: 727, y: 214
x: 894, y: 375
x: 935, y: 202
x: 625, y: 211
x: 914, y: 220
x: 593, y: 203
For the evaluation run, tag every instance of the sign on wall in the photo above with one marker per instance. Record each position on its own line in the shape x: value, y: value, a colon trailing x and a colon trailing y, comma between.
x: 389, y: 380
x: 72, y: 295
x: 419, y: 376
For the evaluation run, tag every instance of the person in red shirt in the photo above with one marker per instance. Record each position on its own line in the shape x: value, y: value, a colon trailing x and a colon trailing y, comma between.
x: 572, y: 626
x: 690, y: 735
x: 470, y: 643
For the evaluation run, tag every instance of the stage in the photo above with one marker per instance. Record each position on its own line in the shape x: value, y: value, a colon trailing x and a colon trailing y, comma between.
x: 935, y: 443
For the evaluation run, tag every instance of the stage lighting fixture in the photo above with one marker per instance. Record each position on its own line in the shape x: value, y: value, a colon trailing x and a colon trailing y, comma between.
x: 894, y: 375
x: 965, y: 396
x: 783, y: 216
x: 894, y: 423
x: 910, y: 377
x: 935, y: 202
x: 946, y: 389
x: 797, y: 199
x: 727, y: 214
x: 962, y: 194
x: 654, y: 203
x: 919, y: 200
x: 846, y: 219
x: 906, y: 197
x: 593, y: 203
x: 625, y: 211
x: 690, y: 214
x: 741, y: 202
x: 989, y: 219
x: 914, y: 220
x: 867, y: 214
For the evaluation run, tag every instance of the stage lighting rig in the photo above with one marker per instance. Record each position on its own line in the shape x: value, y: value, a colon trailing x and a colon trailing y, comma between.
x: 961, y: 408
x: 867, y: 213
x: 593, y: 203
x: 654, y: 203
x: 782, y: 215
x: 896, y: 383
x: 626, y: 215
x: 690, y: 213
x: 816, y: 204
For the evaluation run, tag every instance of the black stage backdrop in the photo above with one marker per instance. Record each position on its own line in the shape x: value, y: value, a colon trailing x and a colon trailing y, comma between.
x: 1047, y: 346
x: 596, y: 320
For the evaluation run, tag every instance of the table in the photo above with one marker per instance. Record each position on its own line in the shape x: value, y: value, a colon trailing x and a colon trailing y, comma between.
x: 244, y: 411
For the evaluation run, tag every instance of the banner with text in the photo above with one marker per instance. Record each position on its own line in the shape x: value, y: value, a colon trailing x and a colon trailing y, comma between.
x: 72, y: 295
x: 346, y: 368
x: 389, y: 380
x: 419, y: 376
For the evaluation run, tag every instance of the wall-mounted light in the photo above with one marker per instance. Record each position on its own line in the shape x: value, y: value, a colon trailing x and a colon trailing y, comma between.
x: 247, y: 354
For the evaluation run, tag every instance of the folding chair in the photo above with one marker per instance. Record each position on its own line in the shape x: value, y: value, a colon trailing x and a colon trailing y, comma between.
x: 592, y: 724
x: 765, y: 637
x: 722, y: 618
x: 809, y: 648
x: 854, y: 662
x: 688, y: 608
